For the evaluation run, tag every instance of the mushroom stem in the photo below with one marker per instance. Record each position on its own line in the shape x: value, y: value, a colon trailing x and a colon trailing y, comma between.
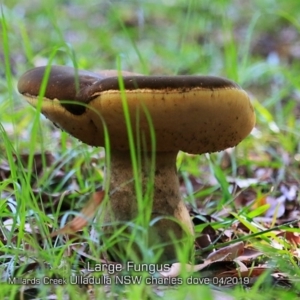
x: 171, y: 219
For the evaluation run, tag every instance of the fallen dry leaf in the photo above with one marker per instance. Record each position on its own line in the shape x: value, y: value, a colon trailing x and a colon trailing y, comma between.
x: 292, y: 237
x: 86, y: 214
x: 229, y: 253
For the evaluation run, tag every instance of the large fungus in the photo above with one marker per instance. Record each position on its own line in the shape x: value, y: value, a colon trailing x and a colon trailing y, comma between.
x: 194, y: 114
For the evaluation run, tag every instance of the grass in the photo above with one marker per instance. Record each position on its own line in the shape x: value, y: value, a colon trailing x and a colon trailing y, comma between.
x: 235, y: 39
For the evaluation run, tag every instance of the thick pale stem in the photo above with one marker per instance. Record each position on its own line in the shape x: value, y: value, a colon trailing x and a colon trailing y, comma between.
x: 172, y: 223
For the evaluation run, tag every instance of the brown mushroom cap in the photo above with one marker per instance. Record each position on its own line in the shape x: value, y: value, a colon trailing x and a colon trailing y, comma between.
x: 195, y: 114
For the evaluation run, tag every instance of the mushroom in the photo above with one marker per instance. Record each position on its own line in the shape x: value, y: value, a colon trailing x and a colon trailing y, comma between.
x: 194, y: 114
